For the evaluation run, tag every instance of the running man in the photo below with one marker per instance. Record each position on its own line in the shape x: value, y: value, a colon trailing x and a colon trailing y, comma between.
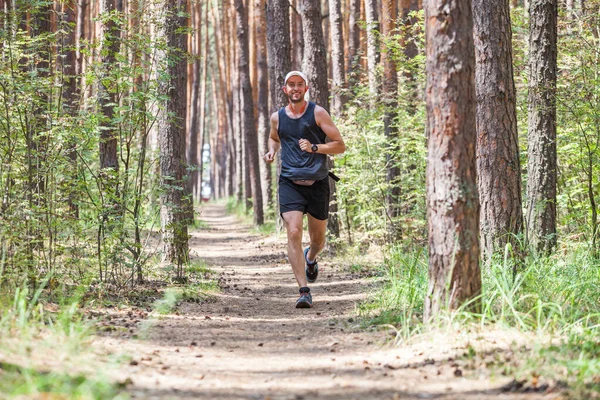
x: 306, y: 135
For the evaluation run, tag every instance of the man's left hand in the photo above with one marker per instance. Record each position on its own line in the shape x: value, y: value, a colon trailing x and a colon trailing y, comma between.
x: 305, y: 145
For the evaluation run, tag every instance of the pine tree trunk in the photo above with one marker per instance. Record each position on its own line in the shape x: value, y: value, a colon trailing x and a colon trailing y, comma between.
x: 193, y: 158
x: 541, y: 148
x: 173, y: 209
x: 108, y: 95
x: 372, y: 46
x: 390, y: 99
x: 337, y: 57
x: 314, y: 63
x: 264, y: 127
x: 498, y: 165
x: 353, y: 42
x: 452, y: 204
x: 248, y: 122
x: 202, y: 99
x: 279, y: 49
x: 296, y: 35
x: 70, y: 72
x: 410, y: 50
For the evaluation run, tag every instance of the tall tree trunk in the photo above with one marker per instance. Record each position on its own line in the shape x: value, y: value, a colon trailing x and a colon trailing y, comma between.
x: 325, y: 24
x: 315, y: 67
x: 410, y: 50
x: 264, y: 127
x: 297, y: 36
x: 353, y: 43
x: 222, y: 51
x: 38, y: 124
x: 541, y: 148
x: 194, y: 70
x: 337, y: 57
x: 279, y: 50
x: 70, y: 77
x: 314, y: 63
x: 498, y: 165
x: 248, y: 125
x: 173, y: 210
x: 390, y: 99
x: 236, y: 104
x: 372, y: 46
x: 202, y: 98
x: 107, y: 90
x: 452, y: 204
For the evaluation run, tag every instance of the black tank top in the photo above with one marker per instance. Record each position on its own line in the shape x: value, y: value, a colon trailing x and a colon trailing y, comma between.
x: 295, y: 163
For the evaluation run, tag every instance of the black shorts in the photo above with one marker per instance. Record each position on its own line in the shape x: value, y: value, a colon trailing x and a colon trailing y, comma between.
x: 312, y: 199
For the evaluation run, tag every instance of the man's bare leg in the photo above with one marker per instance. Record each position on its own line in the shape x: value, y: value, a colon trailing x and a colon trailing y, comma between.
x: 316, y: 231
x: 293, y: 225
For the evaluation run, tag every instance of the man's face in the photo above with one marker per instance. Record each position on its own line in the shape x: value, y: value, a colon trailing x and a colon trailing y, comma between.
x: 295, y: 88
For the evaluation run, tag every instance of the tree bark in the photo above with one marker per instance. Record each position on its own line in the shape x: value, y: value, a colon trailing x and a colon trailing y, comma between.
x: 314, y: 63
x: 452, y: 204
x: 410, y: 50
x: 297, y: 36
x: 264, y: 126
x: 353, y: 43
x: 202, y: 99
x: 279, y: 50
x: 337, y: 58
x: 194, y: 69
x: 541, y: 148
x: 390, y: 99
x: 107, y: 93
x: 173, y: 209
x: 498, y: 165
x: 372, y: 46
x: 71, y: 70
x: 248, y: 122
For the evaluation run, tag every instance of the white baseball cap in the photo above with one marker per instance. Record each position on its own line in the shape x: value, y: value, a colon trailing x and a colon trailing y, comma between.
x: 295, y: 73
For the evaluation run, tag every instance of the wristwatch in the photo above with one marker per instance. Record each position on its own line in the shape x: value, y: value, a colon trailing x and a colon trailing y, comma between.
x: 314, y: 148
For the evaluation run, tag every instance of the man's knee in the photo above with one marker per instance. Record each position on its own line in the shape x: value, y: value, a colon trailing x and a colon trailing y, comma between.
x: 294, y: 232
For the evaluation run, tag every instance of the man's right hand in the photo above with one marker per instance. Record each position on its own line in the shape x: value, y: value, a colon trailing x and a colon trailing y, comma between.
x: 269, y: 156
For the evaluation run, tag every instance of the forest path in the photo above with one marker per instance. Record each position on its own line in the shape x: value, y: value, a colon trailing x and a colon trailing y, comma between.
x: 249, y: 342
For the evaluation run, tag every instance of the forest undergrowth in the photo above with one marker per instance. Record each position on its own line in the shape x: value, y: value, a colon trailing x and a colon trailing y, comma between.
x: 553, y: 303
x: 46, y: 334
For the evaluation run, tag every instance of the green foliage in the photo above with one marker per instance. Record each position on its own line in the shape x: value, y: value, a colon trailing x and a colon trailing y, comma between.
x: 578, y: 105
x: 17, y: 381
x: 370, y: 154
x: 400, y: 300
x: 59, y: 213
x: 29, y: 328
x: 554, y: 297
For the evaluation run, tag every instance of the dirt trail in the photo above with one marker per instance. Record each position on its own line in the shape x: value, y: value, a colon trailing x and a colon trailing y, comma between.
x: 251, y: 343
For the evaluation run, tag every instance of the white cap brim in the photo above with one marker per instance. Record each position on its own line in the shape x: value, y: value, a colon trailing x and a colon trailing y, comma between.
x: 295, y: 73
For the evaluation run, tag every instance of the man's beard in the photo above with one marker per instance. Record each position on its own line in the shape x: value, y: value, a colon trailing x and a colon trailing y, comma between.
x: 295, y: 101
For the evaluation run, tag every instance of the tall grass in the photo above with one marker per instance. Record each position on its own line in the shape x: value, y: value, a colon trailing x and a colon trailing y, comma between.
x: 42, y: 346
x: 556, y: 298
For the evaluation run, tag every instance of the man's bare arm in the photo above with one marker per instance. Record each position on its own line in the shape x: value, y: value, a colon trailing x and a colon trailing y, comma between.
x: 335, y: 145
x: 274, y: 143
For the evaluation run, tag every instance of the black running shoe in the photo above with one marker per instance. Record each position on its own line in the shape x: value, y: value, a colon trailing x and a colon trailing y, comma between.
x: 305, y: 299
x: 311, y: 269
